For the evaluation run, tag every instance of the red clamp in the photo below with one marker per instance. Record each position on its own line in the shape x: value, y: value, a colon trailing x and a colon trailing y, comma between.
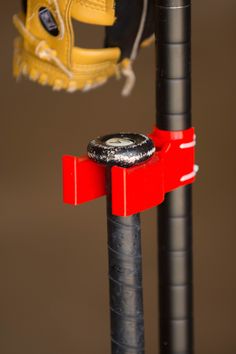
x: 137, y: 188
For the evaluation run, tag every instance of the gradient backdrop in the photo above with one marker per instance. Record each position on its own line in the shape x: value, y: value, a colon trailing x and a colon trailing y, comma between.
x: 53, y: 262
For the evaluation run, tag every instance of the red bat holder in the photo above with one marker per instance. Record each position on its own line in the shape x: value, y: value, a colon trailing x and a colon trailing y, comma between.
x: 137, y: 188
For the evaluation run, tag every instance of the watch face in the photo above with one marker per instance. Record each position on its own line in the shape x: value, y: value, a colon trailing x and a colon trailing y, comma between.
x: 48, y: 21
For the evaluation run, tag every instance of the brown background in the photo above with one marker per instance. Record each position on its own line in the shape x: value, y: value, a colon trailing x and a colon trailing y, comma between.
x: 53, y: 263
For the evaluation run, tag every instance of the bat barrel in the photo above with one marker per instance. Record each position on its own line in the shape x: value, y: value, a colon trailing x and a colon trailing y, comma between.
x: 125, y: 278
x: 124, y: 244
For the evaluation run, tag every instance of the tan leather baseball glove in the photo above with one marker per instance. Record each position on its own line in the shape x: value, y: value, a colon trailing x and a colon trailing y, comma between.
x: 46, y: 51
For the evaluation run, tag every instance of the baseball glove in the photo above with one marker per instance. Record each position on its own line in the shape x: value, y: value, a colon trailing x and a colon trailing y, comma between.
x: 46, y: 50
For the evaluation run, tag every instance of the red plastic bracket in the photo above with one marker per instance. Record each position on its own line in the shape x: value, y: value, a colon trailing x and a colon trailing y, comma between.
x: 137, y: 188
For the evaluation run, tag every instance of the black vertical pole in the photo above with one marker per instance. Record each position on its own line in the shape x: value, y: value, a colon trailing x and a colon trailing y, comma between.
x: 124, y: 244
x: 173, y: 33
